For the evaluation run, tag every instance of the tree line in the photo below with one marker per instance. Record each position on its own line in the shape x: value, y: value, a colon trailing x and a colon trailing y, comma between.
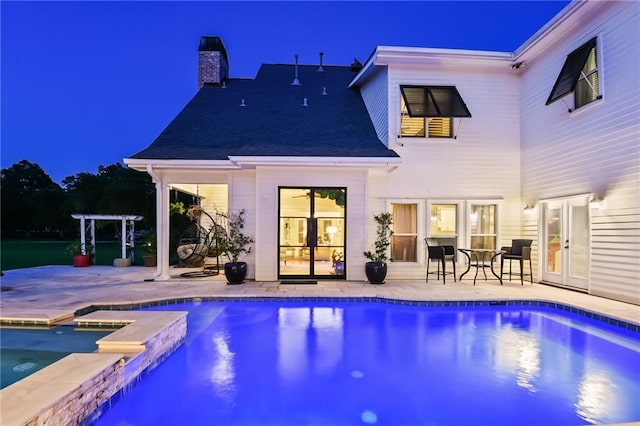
x: 33, y: 205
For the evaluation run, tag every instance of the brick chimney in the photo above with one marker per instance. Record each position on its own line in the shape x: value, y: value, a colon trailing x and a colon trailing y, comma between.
x: 213, y: 63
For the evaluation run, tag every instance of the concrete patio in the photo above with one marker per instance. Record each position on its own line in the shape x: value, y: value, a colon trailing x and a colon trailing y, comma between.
x: 58, y: 291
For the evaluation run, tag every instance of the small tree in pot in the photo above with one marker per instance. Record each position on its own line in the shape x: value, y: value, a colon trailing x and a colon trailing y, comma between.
x: 233, y: 244
x: 376, y: 268
x: 81, y: 253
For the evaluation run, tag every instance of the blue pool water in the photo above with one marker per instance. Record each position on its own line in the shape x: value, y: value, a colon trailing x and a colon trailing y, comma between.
x: 23, y: 351
x: 349, y: 363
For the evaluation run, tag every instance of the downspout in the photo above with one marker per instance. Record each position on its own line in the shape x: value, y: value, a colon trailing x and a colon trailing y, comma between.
x: 162, y: 226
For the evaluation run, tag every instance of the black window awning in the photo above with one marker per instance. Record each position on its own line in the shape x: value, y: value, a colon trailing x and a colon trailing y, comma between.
x: 570, y: 73
x: 434, y: 101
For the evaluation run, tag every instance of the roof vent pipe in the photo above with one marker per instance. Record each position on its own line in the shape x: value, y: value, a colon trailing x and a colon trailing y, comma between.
x: 242, y: 104
x: 320, y: 68
x: 324, y: 90
x: 296, y: 82
x: 304, y: 102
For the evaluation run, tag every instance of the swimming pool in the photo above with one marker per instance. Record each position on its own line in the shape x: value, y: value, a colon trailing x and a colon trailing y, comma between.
x: 27, y: 350
x: 351, y: 363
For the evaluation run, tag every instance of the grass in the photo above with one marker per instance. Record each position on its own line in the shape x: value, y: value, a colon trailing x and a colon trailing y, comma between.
x: 15, y: 254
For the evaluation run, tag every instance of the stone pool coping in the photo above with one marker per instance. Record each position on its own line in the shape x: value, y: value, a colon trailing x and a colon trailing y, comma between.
x: 74, y: 388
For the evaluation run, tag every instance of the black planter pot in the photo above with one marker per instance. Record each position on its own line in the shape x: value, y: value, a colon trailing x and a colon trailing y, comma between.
x: 235, y: 272
x: 376, y: 272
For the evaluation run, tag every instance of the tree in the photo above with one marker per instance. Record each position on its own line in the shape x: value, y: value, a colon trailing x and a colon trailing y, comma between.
x: 115, y: 189
x: 31, y: 200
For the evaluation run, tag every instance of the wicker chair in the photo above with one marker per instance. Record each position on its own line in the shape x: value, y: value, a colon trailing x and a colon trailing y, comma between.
x: 520, y: 250
x: 440, y: 254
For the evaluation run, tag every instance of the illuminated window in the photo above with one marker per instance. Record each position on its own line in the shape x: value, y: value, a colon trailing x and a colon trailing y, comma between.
x: 483, y: 229
x: 588, y: 87
x: 405, y: 232
x: 437, y: 127
x: 579, y: 75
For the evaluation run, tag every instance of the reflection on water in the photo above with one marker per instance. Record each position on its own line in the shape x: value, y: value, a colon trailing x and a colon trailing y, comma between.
x: 596, y: 397
x: 308, y: 339
x: 223, y: 370
x: 285, y: 363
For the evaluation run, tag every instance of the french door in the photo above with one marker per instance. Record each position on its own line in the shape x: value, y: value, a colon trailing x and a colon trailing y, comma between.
x: 565, y: 251
x: 312, y: 233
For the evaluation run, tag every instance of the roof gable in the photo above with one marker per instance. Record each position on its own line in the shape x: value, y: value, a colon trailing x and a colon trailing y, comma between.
x: 273, y: 120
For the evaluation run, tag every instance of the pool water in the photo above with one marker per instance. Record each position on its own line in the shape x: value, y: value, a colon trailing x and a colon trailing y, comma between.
x: 23, y: 351
x: 351, y: 363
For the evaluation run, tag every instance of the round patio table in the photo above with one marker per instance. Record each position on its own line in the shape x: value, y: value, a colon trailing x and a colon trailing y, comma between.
x: 481, y: 259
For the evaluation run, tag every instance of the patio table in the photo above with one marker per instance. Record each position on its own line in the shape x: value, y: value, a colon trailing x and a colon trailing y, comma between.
x: 481, y: 259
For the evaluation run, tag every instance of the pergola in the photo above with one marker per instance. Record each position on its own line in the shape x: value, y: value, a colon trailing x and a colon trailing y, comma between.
x: 128, y: 228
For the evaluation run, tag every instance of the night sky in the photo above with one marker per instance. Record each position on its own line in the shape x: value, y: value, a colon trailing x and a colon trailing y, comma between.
x: 85, y: 84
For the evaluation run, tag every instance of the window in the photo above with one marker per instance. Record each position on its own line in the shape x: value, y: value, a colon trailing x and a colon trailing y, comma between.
x: 443, y: 224
x: 405, y: 232
x: 483, y: 229
x: 438, y: 127
x: 579, y: 75
x: 587, y: 87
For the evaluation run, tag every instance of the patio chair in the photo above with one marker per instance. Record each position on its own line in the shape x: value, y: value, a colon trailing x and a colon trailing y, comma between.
x: 520, y: 250
x: 440, y: 254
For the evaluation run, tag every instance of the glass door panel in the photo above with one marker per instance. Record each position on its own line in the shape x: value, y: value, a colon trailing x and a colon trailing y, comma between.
x: 553, y: 238
x: 578, y: 244
x: 312, y: 232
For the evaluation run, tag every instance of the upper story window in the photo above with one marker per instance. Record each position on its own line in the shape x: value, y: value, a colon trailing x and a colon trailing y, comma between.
x: 429, y: 111
x: 420, y: 127
x: 579, y: 75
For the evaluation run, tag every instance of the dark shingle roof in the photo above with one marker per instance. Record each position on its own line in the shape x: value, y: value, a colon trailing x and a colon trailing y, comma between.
x: 213, y: 125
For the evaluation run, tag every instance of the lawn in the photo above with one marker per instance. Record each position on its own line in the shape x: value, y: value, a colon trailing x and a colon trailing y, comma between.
x: 16, y: 254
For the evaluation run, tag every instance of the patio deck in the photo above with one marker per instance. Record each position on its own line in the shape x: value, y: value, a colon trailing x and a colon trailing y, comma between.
x: 56, y: 292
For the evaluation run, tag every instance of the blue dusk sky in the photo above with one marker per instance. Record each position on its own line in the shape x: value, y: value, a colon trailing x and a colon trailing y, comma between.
x: 85, y: 84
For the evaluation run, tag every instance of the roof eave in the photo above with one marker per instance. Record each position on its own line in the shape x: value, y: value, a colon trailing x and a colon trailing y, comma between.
x: 386, y: 55
x: 279, y: 161
x: 143, y: 164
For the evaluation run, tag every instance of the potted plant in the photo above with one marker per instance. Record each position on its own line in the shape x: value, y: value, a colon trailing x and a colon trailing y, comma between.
x: 81, y: 253
x: 233, y: 244
x: 376, y: 268
x: 150, y: 249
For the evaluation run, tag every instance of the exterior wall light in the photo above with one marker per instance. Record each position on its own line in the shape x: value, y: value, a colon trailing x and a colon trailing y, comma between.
x: 596, y: 202
x: 529, y: 210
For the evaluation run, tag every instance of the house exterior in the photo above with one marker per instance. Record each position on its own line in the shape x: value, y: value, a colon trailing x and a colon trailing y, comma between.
x: 453, y: 143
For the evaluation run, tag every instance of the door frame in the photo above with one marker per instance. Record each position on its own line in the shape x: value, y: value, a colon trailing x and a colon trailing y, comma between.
x: 311, y: 229
x: 565, y: 278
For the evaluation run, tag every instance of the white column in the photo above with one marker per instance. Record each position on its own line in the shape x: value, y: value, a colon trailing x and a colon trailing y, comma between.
x: 162, y: 229
x: 131, y: 236
x: 123, y: 238
x: 83, y: 237
x: 93, y: 240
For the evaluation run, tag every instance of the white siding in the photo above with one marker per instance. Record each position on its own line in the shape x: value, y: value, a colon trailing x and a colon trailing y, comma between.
x: 374, y: 94
x: 483, y: 163
x: 595, y: 149
x: 270, y: 178
x: 242, y: 195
